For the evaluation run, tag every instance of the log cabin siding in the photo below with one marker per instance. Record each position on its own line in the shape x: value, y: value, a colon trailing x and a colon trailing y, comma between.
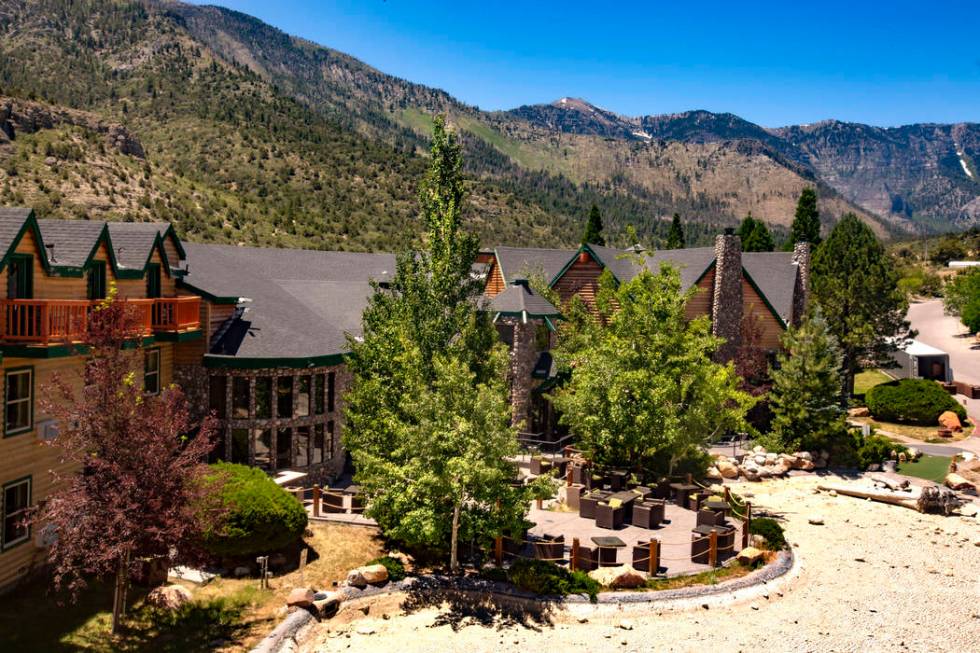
x: 770, y: 329
x: 495, y: 280
x: 580, y: 278
x: 700, y: 303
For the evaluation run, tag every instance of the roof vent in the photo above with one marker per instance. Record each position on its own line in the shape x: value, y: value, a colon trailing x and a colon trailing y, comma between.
x: 51, y: 257
x: 521, y: 282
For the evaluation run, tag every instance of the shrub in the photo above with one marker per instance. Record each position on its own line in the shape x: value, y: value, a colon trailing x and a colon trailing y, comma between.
x: 396, y: 570
x: 546, y: 578
x: 875, y: 449
x: 771, y: 532
x: 259, y: 515
x: 911, y: 401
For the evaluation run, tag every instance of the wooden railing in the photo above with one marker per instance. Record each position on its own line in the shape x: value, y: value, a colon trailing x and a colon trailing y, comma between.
x: 49, y: 321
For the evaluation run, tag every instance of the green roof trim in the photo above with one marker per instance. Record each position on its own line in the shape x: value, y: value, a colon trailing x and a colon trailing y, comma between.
x: 217, y: 361
x: 214, y: 299
x: 179, y: 336
x: 765, y: 300
x: 41, y: 351
x: 571, y: 262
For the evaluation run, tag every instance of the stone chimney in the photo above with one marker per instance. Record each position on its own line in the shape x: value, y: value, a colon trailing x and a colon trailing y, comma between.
x: 801, y: 292
x: 726, y: 305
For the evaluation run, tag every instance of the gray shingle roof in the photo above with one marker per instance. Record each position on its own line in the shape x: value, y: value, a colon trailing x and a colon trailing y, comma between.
x: 11, y: 220
x: 133, y: 241
x: 72, y: 240
x: 518, y: 298
x: 519, y: 262
x: 690, y: 262
x: 775, y: 275
x: 303, y: 302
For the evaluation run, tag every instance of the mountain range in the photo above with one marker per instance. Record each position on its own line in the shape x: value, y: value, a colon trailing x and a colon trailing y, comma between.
x: 238, y: 132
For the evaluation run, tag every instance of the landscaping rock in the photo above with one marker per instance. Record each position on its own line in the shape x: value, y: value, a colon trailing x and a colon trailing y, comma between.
x: 374, y: 574
x: 913, y: 453
x: 355, y: 579
x: 956, y: 482
x: 169, y: 597
x: 860, y: 411
x: 713, y: 473
x: 969, y: 509
x: 759, y: 459
x: 326, y: 603
x: 751, y: 475
x: 749, y: 556
x: 727, y: 469
x: 365, y: 629
x: 804, y: 455
x: 301, y: 597
x: 625, y: 624
x: 816, y: 520
x: 950, y: 420
x: 874, y: 467
x: 759, y: 449
x: 621, y: 577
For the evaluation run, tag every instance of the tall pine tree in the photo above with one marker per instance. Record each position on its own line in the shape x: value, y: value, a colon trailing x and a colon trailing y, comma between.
x: 593, y: 228
x: 855, y: 283
x: 755, y: 235
x: 675, y: 237
x: 806, y: 222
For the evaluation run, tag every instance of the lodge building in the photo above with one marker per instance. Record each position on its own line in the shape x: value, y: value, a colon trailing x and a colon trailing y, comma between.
x: 257, y: 336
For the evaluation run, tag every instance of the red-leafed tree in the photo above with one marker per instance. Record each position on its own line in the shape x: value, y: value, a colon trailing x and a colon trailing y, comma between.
x: 133, y: 492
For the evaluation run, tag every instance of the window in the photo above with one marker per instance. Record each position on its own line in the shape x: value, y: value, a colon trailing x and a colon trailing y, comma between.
x: 282, y: 448
x: 239, y: 446
x: 331, y: 390
x: 301, y: 446
x: 330, y: 440
x: 263, y: 397
x: 151, y: 371
x: 263, y: 448
x: 96, y: 280
x: 20, y: 277
x: 318, y: 383
x: 217, y: 399
x: 317, y: 449
x: 16, y: 501
x: 284, y: 396
x: 239, y: 397
x: 153, y: 280
x: 19, y: 401
x: 303, y: 397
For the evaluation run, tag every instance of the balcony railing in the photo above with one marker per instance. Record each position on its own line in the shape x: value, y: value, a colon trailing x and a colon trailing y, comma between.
x: 53, y: 321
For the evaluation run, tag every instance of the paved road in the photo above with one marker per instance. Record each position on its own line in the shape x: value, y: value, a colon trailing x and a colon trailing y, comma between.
x: 948, y: 334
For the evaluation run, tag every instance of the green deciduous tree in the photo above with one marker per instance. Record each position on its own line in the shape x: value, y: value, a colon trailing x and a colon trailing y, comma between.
x: 428, y: 421
x: 675, y: 237
x: 855, y: 284
x: 593, y: 228
x: 805, y: 396
x: 961, y: 297
x: 806, y: 222
x: 755, y: 235
x: 644, y: 389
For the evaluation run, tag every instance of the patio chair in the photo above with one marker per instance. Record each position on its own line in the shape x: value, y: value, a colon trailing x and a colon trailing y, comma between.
x: 332, y: 502
x: 587, y: 503
x: 649, y: 514
x: 588, y: 559
x: 357, y: 504
x: 701, y: 545
x: 662, y: 489
x: 573, y: 496
x: 643, y: 491
x: 617, y: 480
x: 580, y: 474
x: 540, y: 466
x: 641, y: 557
x: 608, y: 556
x: 550, y: 548
x: 609, y: 515
x: 710, y: 518
x: 695, y: 499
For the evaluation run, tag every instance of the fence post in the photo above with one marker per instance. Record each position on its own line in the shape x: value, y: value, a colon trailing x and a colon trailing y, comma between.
x: 653, y: 565
x: 690, y: 478
x: 574, y: 561
x: 538, y: 504
x: 316, y: 500
x: 746, y: 524
x: 498, y: 550
x: 713, y: 548
x: 728, y: 495
x: 568, y: 476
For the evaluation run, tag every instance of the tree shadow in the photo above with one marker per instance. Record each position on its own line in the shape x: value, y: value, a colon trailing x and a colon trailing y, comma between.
x: 467, y: 601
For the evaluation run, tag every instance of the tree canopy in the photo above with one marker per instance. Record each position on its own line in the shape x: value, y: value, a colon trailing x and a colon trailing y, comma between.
x: 806, y: 221
x: 855, y: 283
x: 644, y: 389
x: 961, y: 297
x: 593, y: 228
x: 755, y: 235
x: 428, y: 421
x: 675, y: 237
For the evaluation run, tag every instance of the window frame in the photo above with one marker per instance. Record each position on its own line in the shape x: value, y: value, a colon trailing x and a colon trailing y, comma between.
x: 331, y: 392
x: 96, y: 280
x: 4, y: 544
x: 6, y: 401
x: 154, y: 281
x: 147, y: 354
x: 25, y: 274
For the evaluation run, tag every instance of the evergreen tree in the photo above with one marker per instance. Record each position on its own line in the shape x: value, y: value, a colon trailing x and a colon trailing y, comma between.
x: 428, y: 420
x: 675, y: 237
x: 855, y: 284
x: 806, y: 222
x: 593, y: 228
x: 806, y: 387
x: 755, y: 235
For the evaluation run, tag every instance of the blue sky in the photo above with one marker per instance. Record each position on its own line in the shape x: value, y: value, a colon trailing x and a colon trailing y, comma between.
x: 774, y: 63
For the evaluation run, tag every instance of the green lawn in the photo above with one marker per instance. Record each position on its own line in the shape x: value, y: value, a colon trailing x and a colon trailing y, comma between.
x: 931, y: 468
x: 869, y: 379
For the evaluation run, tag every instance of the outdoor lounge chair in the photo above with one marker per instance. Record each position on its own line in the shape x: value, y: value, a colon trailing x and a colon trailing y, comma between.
x: 700, y: 544
x: 580, y: 474
x: 649, y: 514
x: 641, y: 557
x: 588, y: 559
x: 710, y: 518
x: 617, y: 480
x: 587, y: 503
x: 573, y: 496
x: 609, y: 516
x: 550, y: 548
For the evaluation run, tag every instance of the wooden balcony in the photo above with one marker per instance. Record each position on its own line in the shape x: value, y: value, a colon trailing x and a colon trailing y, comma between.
x: 60, y: 321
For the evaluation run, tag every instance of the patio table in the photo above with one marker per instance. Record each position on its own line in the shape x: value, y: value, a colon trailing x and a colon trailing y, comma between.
x: 626, y: 497
x: 681, y: 492
x: 717, y: 506
x: 607, y: 545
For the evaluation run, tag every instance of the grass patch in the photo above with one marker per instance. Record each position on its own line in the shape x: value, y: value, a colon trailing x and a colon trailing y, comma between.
x: 868, y: 379
x: 930, y: 468
x: 710, y: 577
x: 928, y: 434
x: 229, y: 614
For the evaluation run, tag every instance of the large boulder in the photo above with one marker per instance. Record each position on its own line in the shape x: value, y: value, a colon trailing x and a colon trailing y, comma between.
x: 759, y: 459
x: 727, y: 469
x: 169, y: 597
x: 301, y: 597
x: 621, y: 577
x: 956, y: 482
x: 374, y: 574
x: 951, y: 421
x: 713, y: 473
x: 749, y: 556
x: 860, y: 411
x: 355, y: 579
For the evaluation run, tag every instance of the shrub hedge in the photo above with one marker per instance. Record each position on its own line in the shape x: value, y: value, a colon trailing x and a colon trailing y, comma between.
x: 396, y: 570
x: 547, y: 579
x: 770, y: 530
x: 911, y: 401
x: 260, y: 517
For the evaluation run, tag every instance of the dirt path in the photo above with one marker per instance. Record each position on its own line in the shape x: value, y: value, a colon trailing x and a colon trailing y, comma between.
x: 873, y: 578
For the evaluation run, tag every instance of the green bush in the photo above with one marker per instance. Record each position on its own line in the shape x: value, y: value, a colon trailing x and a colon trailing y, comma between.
x: 259, y: 516
x: 546, y: 578
x: 911, y: 401
x: 875, y: 449
x: 396, y: 570
x: 770, y: 530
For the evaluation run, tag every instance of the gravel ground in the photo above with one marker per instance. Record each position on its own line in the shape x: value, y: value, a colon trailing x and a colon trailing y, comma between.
x: 874, y: 577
